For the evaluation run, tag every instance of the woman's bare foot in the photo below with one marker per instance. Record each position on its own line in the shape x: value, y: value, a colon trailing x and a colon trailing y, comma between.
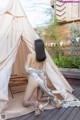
x: 57, y: 102
x: 58, y: 105
x: 37, y: 110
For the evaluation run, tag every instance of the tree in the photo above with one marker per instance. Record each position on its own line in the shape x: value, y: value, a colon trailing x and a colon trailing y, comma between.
x: 49, y: 31
x: 75, y: 40
x: 53, y: 34
x: 39, y: 31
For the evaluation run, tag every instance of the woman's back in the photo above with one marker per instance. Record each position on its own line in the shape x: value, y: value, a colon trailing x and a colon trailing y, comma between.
x: 34, y: 63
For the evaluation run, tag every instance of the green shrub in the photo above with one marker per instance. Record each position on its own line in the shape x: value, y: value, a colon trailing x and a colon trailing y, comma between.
x: 67, y: 62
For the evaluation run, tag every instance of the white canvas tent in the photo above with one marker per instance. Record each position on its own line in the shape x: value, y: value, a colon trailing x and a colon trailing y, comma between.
x: 16, y: 41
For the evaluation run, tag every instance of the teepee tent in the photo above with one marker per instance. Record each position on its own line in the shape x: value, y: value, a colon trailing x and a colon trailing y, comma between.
x: 16, y: 41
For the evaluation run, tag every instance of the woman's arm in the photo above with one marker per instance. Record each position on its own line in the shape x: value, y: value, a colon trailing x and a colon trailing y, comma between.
x: 44, y: 67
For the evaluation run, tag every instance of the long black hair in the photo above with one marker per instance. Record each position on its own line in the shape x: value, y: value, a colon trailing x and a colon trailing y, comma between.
x: 40, y: 50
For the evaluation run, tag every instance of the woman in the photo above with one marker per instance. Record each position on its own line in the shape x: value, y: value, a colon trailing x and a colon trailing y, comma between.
x: 36, y: 66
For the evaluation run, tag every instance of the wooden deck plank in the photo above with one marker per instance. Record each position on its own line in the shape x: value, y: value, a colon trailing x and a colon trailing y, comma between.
x: 48, y: 117
x: 77, y: 116
x: 56, y: 114
x: 66, y: 114
x: 73, y: 113
x: 26, y: 117
x: 79, y: 96
x: 44, y: 114
x: 76, y: 91
x: 31, y: 118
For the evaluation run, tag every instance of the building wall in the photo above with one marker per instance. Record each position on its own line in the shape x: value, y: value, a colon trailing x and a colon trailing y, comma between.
x: 72, y: 11
x: 66, y: 11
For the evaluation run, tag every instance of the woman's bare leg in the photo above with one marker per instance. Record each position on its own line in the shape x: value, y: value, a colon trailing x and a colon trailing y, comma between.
x: 39, y: 94
x: 32, y: 85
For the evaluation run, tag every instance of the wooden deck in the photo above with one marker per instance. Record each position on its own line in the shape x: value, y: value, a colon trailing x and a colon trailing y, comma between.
x: 71, y: 113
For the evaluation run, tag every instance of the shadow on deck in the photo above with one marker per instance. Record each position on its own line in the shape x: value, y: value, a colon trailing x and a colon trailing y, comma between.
x: 71, y: 113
